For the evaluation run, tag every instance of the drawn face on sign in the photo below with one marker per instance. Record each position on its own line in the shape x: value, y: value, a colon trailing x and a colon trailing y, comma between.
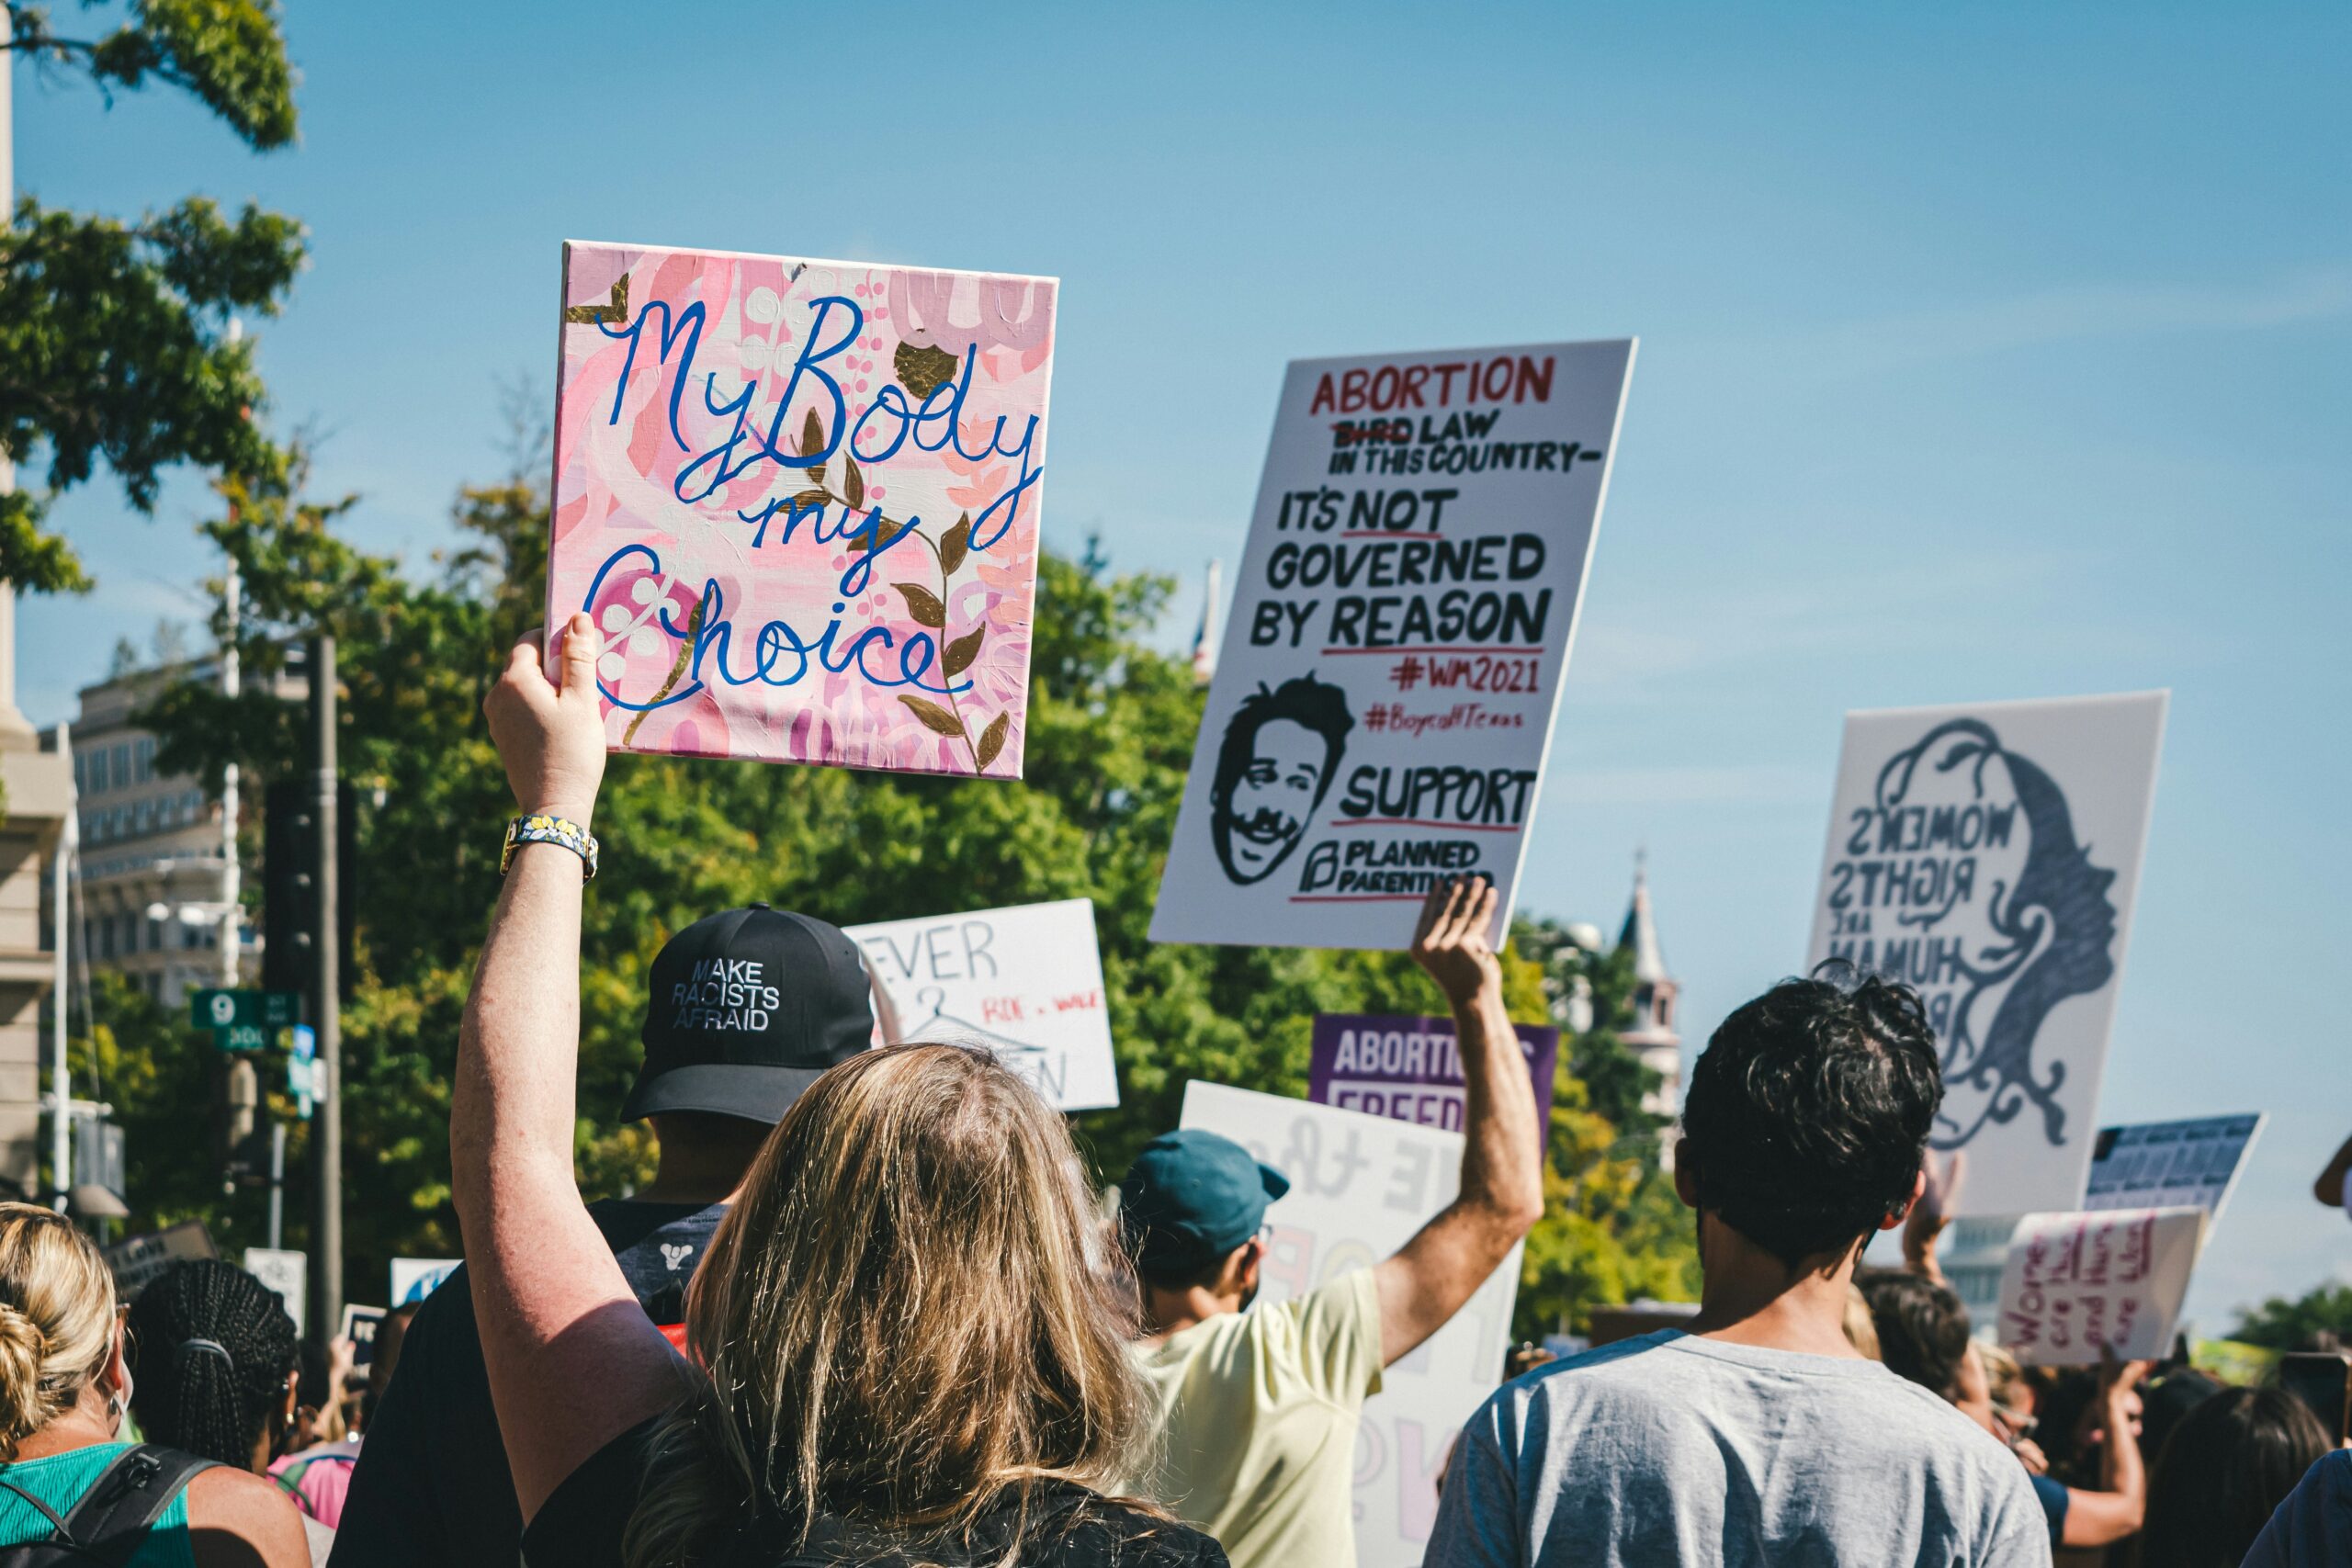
x: 1281, y: 751
x: 1994, y: 911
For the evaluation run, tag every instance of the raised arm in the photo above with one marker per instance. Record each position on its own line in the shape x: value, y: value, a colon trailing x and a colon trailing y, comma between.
x: 1502, y: 1152
x: 2120, y: 1505
x: 1931, y: 1214
x: 573, y: 1361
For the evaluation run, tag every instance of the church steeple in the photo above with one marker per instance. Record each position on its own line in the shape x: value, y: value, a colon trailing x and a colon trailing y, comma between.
x: 1653, y: 1036
x: 1640, y: 931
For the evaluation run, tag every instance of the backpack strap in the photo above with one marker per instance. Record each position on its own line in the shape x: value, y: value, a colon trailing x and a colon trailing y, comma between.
x: 56, y: 1525
x: 127, y: 1497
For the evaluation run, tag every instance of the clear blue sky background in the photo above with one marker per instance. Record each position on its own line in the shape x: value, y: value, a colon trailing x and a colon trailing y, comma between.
x: 1987, y: 352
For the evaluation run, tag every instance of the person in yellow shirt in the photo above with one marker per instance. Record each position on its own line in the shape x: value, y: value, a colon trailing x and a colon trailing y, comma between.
x: 1257, y: 1410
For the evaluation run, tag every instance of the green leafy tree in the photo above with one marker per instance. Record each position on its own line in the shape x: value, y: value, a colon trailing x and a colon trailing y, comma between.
x: 115, y: 337
x: 1613, y: 1229
x: 162, y: 1079
x: 2303, y: 1324
x: 1111, y: 728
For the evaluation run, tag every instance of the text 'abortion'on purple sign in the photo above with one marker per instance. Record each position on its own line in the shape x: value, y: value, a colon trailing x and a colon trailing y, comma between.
x: 1409, y: 1069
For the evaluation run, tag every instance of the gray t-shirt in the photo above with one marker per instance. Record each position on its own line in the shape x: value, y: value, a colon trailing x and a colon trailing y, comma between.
x: 1671, y: 1448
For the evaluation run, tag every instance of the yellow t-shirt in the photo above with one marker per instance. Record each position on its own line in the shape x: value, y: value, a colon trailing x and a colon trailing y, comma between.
x: 1256, y: 1424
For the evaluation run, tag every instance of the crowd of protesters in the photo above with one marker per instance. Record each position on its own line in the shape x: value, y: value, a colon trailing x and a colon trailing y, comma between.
x: 871, y: 1311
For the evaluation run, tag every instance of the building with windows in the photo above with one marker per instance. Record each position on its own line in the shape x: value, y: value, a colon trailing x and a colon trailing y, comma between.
x: 154, y: 874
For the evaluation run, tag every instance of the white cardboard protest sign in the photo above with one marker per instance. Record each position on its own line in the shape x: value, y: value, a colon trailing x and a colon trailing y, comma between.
x: 287, y: 1272
x: 1360, y: 1187
x: 359, y: 1325
x: 2160, y: 1165
x: 1400, y: 629
x: 413, y: 1279
x: 1026, y: 982
x: 2074, y: 1283
x: 1989, y: 856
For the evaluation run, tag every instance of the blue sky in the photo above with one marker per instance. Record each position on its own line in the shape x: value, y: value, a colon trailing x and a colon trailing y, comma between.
x: 1987, y: 352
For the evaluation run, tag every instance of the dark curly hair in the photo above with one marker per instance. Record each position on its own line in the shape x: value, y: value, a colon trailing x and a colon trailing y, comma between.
x: 210, y: 1349
x: 1808, y: 1112
x: 1922, y: 1328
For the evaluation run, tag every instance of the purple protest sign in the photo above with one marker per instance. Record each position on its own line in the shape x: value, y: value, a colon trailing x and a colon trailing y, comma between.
x: 1409, y: 1069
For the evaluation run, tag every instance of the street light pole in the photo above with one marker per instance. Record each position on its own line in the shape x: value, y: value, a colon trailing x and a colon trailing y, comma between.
x: 61, y: 1075
x: 231, y: 927
x: 326, y: 1233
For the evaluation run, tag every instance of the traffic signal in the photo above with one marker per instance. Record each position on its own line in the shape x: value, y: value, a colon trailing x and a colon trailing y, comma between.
x: 232, y: 1127
x: 289, y: 900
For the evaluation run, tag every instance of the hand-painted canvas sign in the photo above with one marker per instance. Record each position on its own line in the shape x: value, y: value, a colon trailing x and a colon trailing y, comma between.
x: 2158, y: 1165
x: 1409, y: 1069
x: 1025, y: 982
x: 1360, y: 1187
x: 1989, y: 856
x: 2075, y: 1282
x: 801, y: 500
x: 1383, y: 701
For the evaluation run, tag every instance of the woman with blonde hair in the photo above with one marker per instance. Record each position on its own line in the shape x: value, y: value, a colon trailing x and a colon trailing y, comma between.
x: 909, y: 1337
x: 66, y: 1479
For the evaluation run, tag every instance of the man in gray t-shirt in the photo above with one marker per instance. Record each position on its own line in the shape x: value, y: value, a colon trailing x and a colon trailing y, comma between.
x: 1677, y: 1448
x: 1761, y: 1436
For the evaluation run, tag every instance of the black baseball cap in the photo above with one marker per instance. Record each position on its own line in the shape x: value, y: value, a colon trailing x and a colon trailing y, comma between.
x: 744, y: 1009
x: 1192, y: 1197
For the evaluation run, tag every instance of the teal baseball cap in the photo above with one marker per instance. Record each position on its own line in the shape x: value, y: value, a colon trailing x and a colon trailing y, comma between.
x: 1192, y: 1197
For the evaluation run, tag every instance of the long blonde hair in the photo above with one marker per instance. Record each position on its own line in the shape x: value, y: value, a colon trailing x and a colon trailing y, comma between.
x: 56, y: 1319
x: 912, y: 1307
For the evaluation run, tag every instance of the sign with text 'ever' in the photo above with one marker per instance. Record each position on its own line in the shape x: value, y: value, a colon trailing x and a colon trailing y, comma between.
x: 1409, y: 1069
x: 1360, y: 1187
x: 1989, y: 856
x: 1391, y: 664
x: 800, y: 500
x: 1025, y: 982
x: 2075, y: 1282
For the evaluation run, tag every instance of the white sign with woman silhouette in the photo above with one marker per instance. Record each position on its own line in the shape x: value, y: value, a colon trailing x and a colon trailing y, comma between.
x: 1989, y: 856
x: 1025, y: 982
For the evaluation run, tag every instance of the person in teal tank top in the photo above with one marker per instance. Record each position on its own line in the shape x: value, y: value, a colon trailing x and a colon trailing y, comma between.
x: 63, y: 1480
x: 64, y: 1390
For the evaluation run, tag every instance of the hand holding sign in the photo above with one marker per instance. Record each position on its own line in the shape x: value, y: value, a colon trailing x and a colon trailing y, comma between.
x: 1451, y: 938
x: 549, y: 735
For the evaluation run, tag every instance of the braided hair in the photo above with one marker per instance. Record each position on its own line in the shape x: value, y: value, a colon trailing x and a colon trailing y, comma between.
x: 210, y: 1349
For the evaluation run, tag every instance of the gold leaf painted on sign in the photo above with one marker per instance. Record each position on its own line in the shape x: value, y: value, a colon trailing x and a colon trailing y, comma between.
x: 923, y: 371
x: 592, y: 315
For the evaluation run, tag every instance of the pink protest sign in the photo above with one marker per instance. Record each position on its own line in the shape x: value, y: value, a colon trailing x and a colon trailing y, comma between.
x: 801, y: 501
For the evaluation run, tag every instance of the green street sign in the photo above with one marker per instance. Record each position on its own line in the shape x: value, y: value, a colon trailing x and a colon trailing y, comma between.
x: 261, y: 1010
x: 241, y: 1037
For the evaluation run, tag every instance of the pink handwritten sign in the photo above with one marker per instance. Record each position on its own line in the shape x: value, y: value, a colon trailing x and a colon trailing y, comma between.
x: 801, y: 501
x: 2074, y: 1283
